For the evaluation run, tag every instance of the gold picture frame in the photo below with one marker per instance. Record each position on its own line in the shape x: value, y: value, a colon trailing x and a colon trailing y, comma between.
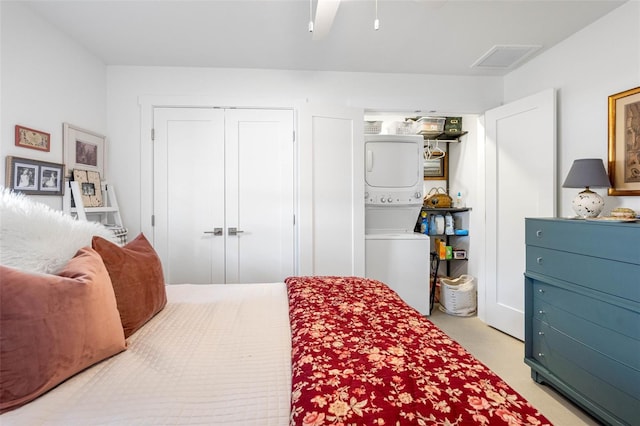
x: 624, y: 143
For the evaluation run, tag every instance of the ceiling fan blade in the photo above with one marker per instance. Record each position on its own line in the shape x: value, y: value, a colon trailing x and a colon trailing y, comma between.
x: 325, y: 13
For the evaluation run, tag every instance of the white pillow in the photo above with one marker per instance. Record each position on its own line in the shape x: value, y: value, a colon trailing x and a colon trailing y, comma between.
x: 36, y: 238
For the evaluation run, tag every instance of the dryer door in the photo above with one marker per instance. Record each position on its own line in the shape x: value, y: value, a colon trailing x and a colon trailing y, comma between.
x: 392, y: 164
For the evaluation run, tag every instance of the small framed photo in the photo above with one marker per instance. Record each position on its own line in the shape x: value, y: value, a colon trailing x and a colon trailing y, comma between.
x: 84, y: 150
x: 34, y: 139
x: 624, y: 142
x: 90, y: 187
x: 33, y: 177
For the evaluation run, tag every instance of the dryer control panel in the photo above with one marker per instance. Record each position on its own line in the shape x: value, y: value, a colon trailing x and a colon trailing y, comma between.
x: 381, y: 197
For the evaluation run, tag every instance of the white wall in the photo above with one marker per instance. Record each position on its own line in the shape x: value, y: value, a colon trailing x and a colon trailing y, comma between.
x: 127, y: 86
x: 598, y: 61
x: 47, y: 79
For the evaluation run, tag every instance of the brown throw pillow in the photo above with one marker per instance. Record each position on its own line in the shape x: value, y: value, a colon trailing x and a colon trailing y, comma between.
x: 137, y: 278
x: 53, y: 326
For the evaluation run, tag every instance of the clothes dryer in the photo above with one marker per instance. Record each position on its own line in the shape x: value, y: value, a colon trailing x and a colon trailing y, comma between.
x: 394, y: 254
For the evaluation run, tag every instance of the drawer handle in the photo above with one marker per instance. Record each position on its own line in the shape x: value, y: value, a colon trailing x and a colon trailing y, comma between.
x: 541, y: 312
x: 540, y: 333
x: 541, y: 290
x: 539, y: 233
x: 540, y: 354
x: 539, y: 260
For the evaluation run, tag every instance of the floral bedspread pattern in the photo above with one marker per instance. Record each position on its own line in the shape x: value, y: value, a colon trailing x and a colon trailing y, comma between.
x: 361, y: 356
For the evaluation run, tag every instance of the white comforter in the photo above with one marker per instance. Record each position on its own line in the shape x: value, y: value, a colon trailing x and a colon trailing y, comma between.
x: 216, y: 355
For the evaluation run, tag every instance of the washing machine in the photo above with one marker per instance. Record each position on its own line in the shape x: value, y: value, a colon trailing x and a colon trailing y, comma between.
x: 394, y: 254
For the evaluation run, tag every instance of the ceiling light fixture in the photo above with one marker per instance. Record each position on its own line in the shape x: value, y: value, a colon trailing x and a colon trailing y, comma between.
x: 376, y: 22
x: 310, y: 16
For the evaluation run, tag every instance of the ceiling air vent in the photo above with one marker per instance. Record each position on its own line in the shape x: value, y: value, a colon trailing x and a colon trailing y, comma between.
x: 504, y: 56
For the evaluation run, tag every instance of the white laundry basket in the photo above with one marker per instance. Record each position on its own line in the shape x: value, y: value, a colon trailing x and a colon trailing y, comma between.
x: 458, y: 296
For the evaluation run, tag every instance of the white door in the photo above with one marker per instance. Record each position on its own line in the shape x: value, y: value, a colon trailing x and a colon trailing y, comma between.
x: 188, y: 189
x: 259, y: 195
x: 520, y: 178
x: 223, y: 194
x: 331, y: 173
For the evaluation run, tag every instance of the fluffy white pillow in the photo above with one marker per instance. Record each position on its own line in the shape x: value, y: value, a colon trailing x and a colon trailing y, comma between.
x: 36, y: 238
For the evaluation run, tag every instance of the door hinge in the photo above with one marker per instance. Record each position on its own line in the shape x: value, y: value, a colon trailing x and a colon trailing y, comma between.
x: 153, y: 220
x: 294, y: 136
x: 294, y: 220
x: 153, y: 134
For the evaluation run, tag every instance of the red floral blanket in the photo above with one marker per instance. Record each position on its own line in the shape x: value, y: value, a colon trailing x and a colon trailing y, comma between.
x: 361, y: 356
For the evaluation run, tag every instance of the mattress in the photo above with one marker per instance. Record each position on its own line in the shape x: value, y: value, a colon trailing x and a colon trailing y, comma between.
x: 216, y: 355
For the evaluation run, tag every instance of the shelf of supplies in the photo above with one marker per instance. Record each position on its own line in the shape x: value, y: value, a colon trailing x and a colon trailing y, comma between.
x: 446, y: 209
x: 443, y: 136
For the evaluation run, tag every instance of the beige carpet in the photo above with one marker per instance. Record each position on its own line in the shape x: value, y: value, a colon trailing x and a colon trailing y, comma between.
x: 504, y: 355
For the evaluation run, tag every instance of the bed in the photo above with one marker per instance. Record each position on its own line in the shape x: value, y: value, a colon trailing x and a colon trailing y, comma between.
x: 307, y: 351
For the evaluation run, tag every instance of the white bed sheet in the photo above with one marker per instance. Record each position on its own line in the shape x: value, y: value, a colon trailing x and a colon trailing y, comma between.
x: 216, y: 355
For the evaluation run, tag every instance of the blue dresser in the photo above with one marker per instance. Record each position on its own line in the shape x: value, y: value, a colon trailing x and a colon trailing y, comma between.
x: 582, y: 313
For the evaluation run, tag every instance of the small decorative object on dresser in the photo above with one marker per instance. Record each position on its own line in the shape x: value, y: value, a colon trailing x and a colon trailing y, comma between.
x: 582, y: 313
x: 585, y: 173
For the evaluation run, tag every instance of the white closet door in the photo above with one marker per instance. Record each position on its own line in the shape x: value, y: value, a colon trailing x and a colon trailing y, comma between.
x: 331, y: 173
x: 259, y: 195
x: 223, y: 195
x: 520, y: 173
x: 189, y: 193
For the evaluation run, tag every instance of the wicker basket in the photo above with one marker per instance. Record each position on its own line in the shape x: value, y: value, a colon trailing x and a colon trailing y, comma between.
x: 372, y: 127
x: 437, y: 198
x: 458, y: 296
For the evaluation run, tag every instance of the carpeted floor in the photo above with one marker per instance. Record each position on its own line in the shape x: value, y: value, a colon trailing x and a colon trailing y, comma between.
x: 504, y: 355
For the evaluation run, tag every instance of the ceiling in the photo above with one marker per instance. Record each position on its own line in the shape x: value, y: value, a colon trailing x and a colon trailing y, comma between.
x: 415, y: 36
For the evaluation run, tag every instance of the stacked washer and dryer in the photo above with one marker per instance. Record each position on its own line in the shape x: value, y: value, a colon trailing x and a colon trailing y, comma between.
x: 394, y: 253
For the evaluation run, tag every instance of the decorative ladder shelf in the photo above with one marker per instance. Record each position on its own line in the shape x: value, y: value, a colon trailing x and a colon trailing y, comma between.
x: 108, y: 214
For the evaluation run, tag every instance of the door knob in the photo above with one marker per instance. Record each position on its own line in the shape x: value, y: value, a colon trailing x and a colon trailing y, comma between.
x: 235, y: 231
x: 216, y: 231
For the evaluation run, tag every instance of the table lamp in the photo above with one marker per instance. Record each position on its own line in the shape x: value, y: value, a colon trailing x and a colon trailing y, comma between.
x: 585, y: 173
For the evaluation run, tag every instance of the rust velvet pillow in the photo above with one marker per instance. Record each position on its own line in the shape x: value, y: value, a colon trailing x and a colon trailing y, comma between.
x: 54, y: 326
x: 137, y: 278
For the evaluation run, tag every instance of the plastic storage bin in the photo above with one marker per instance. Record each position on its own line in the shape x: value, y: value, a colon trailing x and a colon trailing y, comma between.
x: 458, y: 296
x: 428, y: 125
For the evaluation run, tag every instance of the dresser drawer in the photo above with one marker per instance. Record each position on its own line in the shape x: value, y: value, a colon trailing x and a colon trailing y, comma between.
x: 610, y: 343
x: 550, y: 301
x: 619, y: 279
x: 598, y: 239
x: 571, y: 363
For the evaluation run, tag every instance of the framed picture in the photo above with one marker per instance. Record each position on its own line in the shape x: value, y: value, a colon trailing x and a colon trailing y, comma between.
x: 436, y: 168
x: 83, y: 149
x: 33, y: 177
x: 90, y: 188
x: 624, y: 142
x: 34, y: 139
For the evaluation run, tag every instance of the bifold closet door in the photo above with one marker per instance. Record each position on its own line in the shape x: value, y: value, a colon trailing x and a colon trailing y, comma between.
x: 259, y: 195
x: 223, y: 194
x: 189, y: 179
